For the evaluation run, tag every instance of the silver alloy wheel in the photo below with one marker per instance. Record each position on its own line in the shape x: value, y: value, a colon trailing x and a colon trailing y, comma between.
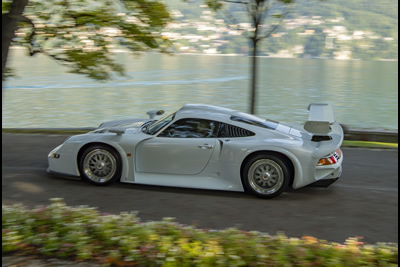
x: 100, y: 165
x: 266, y: 176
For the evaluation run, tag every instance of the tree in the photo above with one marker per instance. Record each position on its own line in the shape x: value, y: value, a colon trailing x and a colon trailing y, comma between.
x: 265, y: 17
x: 81, y: 33
x: 315, y: 45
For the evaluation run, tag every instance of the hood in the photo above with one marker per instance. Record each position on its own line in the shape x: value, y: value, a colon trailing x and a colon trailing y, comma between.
x: 122, y: 123
x: 130, y: 126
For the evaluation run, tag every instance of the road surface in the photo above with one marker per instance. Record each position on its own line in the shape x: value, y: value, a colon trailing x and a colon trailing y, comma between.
x: 364, y: 202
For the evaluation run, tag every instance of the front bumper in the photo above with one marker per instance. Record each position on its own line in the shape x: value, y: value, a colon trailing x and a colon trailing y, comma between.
x: 59, y: 174
x: 62, y: 162
x: 326, y: 181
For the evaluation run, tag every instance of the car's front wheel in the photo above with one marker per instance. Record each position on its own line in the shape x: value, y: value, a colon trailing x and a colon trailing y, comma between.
x: 100, y: 165
x: 266, y: 175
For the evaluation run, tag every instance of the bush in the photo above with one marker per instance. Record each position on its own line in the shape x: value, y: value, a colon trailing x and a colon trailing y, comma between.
x: 83, y: 233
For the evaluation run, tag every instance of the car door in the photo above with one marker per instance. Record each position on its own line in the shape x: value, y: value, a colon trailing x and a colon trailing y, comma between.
x: 185, y: 147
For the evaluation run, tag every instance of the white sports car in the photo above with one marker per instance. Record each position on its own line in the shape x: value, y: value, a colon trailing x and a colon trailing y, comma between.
x: 202, y: 146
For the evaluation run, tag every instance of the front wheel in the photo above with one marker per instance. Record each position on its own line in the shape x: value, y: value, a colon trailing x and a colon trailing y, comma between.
x: 100, y: 165
x: 266, y: 176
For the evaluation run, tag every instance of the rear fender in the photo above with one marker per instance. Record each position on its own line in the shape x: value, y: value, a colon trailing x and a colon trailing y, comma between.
x: 297, y: 169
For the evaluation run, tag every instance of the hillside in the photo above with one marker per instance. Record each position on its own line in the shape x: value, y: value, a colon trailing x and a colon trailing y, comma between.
x: 363, y: 29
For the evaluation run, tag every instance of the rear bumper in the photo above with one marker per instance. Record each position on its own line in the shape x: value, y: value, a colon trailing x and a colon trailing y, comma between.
x: 323, y: 183
x: 326, y: 182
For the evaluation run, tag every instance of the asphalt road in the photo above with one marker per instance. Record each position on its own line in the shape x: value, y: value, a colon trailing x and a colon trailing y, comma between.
x: 364, y: 202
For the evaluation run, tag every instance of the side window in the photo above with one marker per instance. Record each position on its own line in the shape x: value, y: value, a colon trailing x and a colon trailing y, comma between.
x: 227, y: 130
x: 265, y: 123
x: 192, y: 128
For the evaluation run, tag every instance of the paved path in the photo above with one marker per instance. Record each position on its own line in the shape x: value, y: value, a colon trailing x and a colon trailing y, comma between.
x: 364, y: 202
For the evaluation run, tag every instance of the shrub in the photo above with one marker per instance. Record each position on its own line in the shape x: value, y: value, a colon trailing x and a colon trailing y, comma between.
x: 83, y: 233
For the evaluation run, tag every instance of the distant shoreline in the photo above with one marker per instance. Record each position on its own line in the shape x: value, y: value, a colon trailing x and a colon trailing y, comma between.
x: 117, y: 51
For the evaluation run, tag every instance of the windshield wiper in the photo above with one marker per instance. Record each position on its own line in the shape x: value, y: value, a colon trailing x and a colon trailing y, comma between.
x: 145, y: 126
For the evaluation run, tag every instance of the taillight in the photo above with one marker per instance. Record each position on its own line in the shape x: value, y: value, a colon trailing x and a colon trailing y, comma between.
x: 331, y: 159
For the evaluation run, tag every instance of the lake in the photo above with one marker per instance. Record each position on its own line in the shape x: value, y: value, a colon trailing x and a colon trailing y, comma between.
x: 364, y: 93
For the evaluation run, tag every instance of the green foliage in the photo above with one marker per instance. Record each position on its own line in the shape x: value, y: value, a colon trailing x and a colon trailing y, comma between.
x: 214, y: 5
x: 81, y: 33
x: 5, y: 6
x: 85, y: 234
x: 314, y: 45
x: 9, y: 72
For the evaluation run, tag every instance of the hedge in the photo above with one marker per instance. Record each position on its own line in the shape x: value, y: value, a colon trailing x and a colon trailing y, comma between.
x: 83, y: 233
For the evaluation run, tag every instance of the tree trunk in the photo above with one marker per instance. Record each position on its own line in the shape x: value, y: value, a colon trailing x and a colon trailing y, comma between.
x: 253, y: 87
x: 8, y: 28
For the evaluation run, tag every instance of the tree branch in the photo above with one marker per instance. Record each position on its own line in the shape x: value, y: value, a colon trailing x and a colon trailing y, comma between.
x: 236, y: 2
x: 31, y: 36
x: 232, y: 19
x: 276, y: 26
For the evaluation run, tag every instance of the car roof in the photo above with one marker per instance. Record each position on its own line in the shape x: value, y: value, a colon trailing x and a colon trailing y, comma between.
x: 205, y: 112
x: 201, y: 108
x: 212, y: 113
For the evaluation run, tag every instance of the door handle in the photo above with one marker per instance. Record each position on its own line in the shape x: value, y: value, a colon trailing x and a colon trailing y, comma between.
x: 206, y: 146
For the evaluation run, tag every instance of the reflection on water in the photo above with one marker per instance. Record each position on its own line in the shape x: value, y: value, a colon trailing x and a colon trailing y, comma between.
x: 364, y: 93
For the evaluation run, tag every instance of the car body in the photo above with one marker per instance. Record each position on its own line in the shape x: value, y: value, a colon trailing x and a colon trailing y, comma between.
x: 208, y: 147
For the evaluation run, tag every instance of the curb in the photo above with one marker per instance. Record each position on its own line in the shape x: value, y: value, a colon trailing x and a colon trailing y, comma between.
x: 370, y: 135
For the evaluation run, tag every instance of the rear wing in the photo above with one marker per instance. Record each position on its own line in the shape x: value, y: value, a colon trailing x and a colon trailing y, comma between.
x: 320, y: 118
x: 324, y: 127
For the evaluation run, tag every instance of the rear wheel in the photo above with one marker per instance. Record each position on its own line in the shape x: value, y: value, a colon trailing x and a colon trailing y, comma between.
x: 100, y: 165
x: 266, y: 175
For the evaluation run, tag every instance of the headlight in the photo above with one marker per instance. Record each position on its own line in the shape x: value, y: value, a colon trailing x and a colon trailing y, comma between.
x: 53, y: 153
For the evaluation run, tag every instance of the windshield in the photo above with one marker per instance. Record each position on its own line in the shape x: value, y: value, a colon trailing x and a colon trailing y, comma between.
x: 156, y: 126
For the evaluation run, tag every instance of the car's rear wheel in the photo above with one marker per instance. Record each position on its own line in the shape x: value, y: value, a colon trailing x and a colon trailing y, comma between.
x: 266, y: 175
x: 100, y: 165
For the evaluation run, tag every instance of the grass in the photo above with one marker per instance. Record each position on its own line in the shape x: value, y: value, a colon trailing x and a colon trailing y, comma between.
x: 366, y: 144
x: 346, y: 143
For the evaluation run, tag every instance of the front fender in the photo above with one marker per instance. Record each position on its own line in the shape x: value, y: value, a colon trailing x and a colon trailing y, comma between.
x: 111, y: 141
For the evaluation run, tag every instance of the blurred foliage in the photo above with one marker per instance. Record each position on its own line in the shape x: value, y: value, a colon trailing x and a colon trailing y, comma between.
x: 5, y: 6
x: 81, y: 33
x: 123, y: 240
x: 9, y: 72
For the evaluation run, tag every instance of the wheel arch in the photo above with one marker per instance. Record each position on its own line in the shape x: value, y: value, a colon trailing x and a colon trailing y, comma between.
x: 282, y: 155
x: 119, y: 151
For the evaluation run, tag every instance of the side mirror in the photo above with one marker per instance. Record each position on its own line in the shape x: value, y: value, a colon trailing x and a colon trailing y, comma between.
x: 153, y: 113
x: 117, y: 130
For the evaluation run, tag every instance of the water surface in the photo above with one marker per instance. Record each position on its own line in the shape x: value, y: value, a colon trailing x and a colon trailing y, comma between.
x: 364, y: 93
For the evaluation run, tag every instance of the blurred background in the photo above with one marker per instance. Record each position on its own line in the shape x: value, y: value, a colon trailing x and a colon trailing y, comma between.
x: 343, y: 52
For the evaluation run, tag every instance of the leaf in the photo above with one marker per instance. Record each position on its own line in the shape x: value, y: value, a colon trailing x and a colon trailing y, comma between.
x: 73, y: 32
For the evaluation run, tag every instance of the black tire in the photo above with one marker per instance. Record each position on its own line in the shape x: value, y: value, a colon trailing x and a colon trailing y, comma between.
x: 100, y: 165
x: 266, y: 175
